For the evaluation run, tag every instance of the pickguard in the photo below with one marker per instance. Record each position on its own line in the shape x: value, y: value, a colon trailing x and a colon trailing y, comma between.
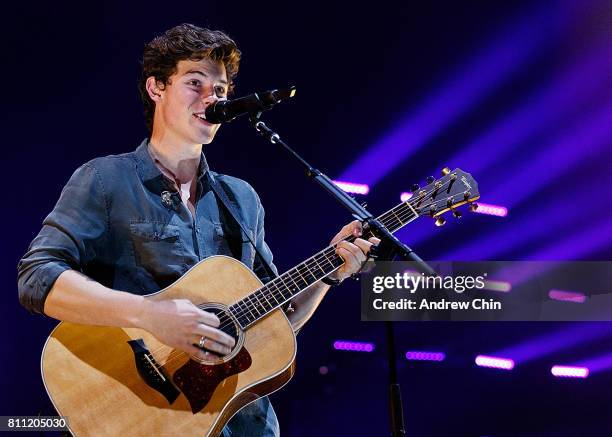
x: 198, y: 381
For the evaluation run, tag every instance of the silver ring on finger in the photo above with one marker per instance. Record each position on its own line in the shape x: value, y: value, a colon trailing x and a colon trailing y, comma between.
x: 201, y: 342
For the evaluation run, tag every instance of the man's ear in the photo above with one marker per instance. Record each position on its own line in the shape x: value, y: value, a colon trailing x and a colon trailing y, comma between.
x: 154, y: 89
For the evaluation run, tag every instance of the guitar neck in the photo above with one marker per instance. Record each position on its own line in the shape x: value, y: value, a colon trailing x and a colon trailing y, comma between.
x: 285, y: 287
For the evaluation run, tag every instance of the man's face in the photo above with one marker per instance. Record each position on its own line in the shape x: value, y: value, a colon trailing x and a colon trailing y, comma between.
x: 194, y: 86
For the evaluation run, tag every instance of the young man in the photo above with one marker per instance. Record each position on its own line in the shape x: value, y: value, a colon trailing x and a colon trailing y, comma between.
x: 132, y: 224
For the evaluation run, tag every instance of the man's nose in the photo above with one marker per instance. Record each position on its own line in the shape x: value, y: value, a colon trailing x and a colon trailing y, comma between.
x: 209, y: 99
x: 210, y: 96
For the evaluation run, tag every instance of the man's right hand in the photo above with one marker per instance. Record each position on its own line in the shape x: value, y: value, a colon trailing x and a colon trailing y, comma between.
x: 180, y: 324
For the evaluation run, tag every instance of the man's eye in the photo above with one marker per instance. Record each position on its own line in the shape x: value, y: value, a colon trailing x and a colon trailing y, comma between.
x: 194, y: 82
x: 221, y: 91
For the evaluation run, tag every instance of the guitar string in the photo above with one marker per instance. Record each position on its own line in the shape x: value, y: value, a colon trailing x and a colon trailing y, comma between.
x: 292, y: 276
x: 178, y: 354
x: 325, y: 253
x: 383, y: 217
x: 387, y: 215
x: 227, y: 321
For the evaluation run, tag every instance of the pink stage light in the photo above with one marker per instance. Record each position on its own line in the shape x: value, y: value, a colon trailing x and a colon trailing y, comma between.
x: 351, y: 187
x: 405, y: 196
x: 494, y: 362
x: 567, y: 296
x: 488, y: 209
x: 570, y: 371
x: 353, y: 346
x: 425, y: 356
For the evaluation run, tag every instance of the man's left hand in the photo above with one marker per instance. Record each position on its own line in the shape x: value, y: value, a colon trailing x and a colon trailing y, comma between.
x: 354, y: 254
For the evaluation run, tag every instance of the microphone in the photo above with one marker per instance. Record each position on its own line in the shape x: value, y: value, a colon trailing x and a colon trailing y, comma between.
x: 226, y: 110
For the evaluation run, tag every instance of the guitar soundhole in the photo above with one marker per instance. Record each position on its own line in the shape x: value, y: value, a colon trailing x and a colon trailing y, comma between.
x: 230, y: 326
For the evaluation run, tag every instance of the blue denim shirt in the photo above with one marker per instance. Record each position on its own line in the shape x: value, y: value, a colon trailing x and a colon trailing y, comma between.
x: 111, y: 224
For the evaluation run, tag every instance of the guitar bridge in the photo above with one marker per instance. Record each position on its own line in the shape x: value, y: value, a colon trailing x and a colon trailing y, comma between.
x: 151, y: 372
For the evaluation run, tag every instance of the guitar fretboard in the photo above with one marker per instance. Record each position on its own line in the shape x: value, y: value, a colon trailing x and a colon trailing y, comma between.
x: 284, y: 287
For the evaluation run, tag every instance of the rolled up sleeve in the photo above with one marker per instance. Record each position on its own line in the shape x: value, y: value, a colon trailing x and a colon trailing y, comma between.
x: 71, y: 236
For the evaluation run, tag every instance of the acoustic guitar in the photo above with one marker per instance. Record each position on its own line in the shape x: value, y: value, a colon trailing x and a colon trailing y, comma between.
x: 123, y: 381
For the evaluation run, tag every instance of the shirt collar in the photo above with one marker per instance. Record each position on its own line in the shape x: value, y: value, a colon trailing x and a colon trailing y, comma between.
x: 150, y: 174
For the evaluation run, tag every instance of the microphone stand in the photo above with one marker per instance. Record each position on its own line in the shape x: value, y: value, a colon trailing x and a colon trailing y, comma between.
x: 390, y: 248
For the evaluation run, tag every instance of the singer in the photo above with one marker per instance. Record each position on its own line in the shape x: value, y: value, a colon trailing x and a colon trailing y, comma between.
x: 128, y: 225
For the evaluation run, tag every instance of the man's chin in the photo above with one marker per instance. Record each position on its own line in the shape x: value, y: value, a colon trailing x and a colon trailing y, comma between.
x: 206, y: 138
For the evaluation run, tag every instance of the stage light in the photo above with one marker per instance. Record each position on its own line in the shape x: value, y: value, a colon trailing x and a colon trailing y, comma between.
x: 352, y: 187
x: 504, y: 56
x: 492, y: 285
x: 569, y: 371
x: 353, y: 346
x: 405, y: 196
x: 597, y: 364
x: 567, y: 296
x: 494, y: 362
x: 488, y: 209
x: 557, y: 340
x: 425, y: 356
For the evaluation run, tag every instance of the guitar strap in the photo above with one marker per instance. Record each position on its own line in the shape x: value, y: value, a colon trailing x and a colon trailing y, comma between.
x: 221, y: 195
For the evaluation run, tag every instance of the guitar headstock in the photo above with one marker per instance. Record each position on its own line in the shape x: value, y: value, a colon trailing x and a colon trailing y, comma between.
x: 454, y: 189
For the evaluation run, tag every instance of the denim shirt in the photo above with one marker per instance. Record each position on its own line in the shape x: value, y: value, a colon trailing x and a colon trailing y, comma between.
x: 112, y: 223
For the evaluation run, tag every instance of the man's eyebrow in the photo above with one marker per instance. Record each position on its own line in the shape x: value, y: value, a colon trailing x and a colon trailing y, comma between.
x: 203, y: 75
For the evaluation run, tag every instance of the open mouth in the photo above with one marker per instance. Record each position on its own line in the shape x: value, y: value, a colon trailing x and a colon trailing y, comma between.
x: 202, y: 118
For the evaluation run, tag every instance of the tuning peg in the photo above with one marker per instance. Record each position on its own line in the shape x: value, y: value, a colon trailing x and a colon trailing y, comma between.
x: 457, y: 214
x: 415, y: 187
x: 445, y: 171
x: 440, y: 221
x: 466, y: 195
x: 473, y: 207
x: 430, y: 179
x: 432, y: 210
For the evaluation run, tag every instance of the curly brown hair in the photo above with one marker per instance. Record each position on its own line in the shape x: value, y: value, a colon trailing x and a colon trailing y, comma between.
x: 184, y: 42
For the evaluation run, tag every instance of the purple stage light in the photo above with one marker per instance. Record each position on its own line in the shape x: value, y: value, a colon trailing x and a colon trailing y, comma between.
x: 569, y: 371
x: 579, y: 245
x: 539, y: 112
x: 598, y: 363
x: 353, y: 346
x: 557, y: 340
x: 506, y: 55
x: 425, y: 356
x: 352, y: 187
x: 530, y: 227
x: 488, y: 209
x: 494, y: 362
x: 405, y: 196
x: 567, y: 296
x: 549, y: 161
x: 493, y: 285
x: 581, y: 141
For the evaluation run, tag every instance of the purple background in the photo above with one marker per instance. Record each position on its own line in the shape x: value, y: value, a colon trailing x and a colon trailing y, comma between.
x: 517, y: 93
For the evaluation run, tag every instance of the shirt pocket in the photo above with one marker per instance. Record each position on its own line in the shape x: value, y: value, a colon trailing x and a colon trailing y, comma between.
x: 158, y: 249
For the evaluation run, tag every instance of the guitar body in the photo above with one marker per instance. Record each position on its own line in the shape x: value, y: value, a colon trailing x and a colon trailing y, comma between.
x: 123, y: 381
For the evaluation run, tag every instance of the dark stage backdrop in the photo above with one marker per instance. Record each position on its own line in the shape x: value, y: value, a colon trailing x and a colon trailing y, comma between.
x: 518, y: 92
